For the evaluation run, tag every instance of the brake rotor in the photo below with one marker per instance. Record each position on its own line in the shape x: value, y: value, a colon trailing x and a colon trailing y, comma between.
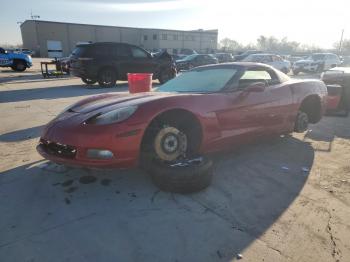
x: 170, y: 143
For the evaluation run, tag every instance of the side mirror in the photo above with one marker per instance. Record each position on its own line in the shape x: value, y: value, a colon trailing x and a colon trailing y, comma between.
x: 256, y: 87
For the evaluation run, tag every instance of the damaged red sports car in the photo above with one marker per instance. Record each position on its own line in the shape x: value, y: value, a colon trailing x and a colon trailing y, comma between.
x: 203, y: 110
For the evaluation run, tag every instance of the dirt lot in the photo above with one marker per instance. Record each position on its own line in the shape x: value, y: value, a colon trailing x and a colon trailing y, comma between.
x: 262, y: 204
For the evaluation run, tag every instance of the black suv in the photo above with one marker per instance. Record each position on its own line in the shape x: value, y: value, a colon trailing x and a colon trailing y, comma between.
x: 106, y: 63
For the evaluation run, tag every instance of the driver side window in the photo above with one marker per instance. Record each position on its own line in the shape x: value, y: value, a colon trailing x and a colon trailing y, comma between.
x: 138, y: 53
x: 252, y: 76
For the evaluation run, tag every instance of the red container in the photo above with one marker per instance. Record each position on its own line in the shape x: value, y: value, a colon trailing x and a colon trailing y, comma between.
x: 333, y: 102
x: 139, y: 82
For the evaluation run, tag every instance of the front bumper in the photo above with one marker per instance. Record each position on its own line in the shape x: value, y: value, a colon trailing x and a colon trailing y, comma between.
x: 64, y: 144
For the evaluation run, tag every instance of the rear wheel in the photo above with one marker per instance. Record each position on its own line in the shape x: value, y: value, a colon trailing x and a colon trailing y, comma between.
x: 19, y: 66
x: 107, y: 78
x: 88, y: 81
x: 301, y: 122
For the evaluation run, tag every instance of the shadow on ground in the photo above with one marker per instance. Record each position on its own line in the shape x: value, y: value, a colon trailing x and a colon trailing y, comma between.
x: 323, y: 134
x: 71, y: 214
x: 21, y: 135
x: 56, y: 92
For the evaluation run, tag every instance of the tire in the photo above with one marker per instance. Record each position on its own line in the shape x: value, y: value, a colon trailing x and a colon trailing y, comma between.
x: 107, y: 78
x: 295, y: 72
x: 165, y: 76
x: 183, y: 177
x: 301, y: 122
x: 88, y: 81
x: 19, y: 66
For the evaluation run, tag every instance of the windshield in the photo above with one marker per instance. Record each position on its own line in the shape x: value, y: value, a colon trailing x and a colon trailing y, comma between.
x: 190, y: 57
x: 252, y: 58
x: 199, y: 81
x: 78, y: 51
x: 316, y: 57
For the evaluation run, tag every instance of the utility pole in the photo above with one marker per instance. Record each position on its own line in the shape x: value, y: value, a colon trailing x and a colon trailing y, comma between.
x: 341, y: 41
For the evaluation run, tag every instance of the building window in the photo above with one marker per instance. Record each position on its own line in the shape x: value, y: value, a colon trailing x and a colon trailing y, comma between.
x: 145, y: 37
x: 164, y: 37
x: 176, y: 37
x: 154, y: 37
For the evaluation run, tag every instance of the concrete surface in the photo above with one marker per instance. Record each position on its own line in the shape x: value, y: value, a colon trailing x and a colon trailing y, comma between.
x: 261, y: 203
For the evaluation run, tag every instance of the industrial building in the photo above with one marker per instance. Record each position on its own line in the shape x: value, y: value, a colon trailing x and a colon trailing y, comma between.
x: 57, y: 39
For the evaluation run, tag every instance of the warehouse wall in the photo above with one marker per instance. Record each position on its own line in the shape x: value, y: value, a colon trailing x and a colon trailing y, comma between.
x: 29, y: 36
x: 35, y: 35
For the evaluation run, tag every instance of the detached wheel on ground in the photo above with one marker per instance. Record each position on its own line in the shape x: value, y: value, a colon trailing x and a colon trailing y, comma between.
x: 88, y: 81
x: 301, y: 122
x: 107, y: 78
x: 19, y: 66
x: 185, y: 176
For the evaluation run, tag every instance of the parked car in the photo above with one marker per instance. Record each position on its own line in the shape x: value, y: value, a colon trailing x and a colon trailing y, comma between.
x: 203, y: 110
x: 106, y: 63
x: 17, y: 61
x: 195, y: 60
x: 273, y: 60
x: 317, y: 62
x: 224, y: 57
x: 338, y: 85
x: 240, y: 57
x: 345, y: 61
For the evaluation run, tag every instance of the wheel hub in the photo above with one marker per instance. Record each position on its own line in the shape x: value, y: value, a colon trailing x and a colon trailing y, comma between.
x: 170, y: 143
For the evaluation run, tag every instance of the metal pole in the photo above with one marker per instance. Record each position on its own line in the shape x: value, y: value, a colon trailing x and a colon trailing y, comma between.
x: 341, y: 41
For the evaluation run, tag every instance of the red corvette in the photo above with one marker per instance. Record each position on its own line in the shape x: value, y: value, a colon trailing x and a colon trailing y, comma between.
x: 203, y: 110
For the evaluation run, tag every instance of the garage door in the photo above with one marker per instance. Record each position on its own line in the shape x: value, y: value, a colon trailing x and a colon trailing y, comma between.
x: 54, y: 48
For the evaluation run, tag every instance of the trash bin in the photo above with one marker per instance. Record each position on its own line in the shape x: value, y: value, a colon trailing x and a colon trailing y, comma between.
x: 139, y: 82
x: 334, y: 96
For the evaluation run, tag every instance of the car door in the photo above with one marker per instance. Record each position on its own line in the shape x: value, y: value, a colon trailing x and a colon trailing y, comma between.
x: 252, y: 111
x: 123, y: 60
x: 142, y: 62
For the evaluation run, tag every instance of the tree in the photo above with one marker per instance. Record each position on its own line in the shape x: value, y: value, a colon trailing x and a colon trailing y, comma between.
x: 228, y: 44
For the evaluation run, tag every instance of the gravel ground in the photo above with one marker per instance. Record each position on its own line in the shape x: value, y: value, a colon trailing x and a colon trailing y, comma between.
x: 285, y: 199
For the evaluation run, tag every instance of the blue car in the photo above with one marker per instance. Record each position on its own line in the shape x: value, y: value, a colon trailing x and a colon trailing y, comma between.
x: 17, y: 61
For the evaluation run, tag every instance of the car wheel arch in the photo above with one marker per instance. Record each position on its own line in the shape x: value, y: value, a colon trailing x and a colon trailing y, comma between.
x: 174, y: 114
x: 312, y: 106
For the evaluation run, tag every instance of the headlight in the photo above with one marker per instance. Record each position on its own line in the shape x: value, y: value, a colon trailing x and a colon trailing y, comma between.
x: 114, y: 116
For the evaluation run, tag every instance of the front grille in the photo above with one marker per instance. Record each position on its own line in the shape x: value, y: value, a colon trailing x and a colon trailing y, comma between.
x: 56, y: 149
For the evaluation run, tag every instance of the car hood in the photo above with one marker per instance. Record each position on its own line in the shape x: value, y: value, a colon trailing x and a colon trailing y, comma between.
x: 112, y: 101
x: 19, y: 56
x: 304, y: 61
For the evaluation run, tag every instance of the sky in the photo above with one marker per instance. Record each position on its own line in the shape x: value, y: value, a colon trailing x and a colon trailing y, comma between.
x: 310, y: 22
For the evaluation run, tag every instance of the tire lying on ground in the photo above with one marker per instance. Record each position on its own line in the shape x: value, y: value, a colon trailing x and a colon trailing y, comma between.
x: 186, y: 176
